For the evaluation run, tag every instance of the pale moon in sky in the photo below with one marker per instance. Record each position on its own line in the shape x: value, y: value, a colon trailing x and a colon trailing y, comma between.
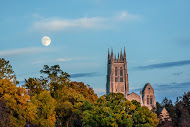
x: 46, y: 41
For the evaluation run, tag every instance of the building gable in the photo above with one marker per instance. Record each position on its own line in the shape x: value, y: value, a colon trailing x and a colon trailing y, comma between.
x: 133, y: 96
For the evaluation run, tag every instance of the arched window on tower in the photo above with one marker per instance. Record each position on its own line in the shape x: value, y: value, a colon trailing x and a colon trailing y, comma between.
x: 116, y: 75
x: 121, y: 74
x: 151, y: 100
x: 121, y: 71
x: 116, y: 71
x: 147, y: 99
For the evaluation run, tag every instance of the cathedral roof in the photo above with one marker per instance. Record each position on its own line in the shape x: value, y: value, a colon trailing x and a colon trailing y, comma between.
x: 133, y: 96
x: 145, y: 86
x: 133, y: 93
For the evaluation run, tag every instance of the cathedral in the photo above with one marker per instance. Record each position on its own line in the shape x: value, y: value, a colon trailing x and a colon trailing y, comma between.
x: 117, y: 81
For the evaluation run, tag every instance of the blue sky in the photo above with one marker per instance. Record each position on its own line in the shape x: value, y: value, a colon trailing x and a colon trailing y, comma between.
x: 156, y: 35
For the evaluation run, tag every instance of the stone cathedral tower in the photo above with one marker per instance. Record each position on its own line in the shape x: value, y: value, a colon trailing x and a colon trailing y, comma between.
x: 117, y: 76
x: 117, y: 81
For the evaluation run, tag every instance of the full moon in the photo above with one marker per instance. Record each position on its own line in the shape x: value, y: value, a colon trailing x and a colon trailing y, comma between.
x: 46, y: 41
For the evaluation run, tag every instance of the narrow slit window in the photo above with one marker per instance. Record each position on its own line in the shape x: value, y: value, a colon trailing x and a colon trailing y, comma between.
x: 116, y: 79
x: 116, y: 71
x: 121, y: 79
x: 151, y: 100
x: 121, y: 71
x: 147, y: 99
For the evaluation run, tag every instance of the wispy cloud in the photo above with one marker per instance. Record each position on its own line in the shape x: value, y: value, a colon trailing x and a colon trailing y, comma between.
x: 171, y: 90
x: 79, y: 75
x: 79, y: 58
x: 63, y: 59
x: 22, y: 51
x: 164, y: 65
x: 64, y: 24
x: 61, y: 24
x: 173, y: 86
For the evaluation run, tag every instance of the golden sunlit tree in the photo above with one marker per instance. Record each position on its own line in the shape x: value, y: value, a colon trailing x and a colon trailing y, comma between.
x: 70, y: 106
x: 45, y: 105
x: 16, y: 106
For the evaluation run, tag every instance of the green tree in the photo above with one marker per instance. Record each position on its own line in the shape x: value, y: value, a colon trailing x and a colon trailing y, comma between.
x: 115, y: 111
x: 54, y: 78
x: 136, y: 103
x: 143, y: 117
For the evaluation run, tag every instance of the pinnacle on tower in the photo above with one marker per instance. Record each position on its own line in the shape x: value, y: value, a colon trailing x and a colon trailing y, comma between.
x: 118, y: 56
x: 112, y: 54
x: 124, y: 54
x: 108, y: 54
x: 121, y: 56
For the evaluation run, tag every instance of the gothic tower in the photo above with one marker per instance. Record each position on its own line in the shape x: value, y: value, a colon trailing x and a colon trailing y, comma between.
x: 117, y: 77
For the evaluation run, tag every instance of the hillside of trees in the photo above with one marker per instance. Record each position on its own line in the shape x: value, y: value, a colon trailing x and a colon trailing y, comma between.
x: 54, y: 100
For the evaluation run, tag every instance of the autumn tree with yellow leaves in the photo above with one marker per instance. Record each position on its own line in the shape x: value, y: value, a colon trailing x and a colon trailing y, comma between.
x: 16, y: 107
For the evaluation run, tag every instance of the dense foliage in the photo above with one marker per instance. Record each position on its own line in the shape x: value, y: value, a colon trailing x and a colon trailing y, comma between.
x: 15, y: 109
x: 53, y: 100
x: 115, y: 111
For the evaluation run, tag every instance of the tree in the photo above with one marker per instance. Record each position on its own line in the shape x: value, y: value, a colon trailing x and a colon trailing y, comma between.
x: 85, y: 90
x: 169, y: 107
x: 14, y: 101
x: 6, y: 71
x: 183, y: 110
x: 114, y: 110
x: 143, y: 117
x: 55, y: 78
x: 136, y: 103
x: 45, y: 109
x: 35, y: 86
x: 70, y: 106
x: 4, y: 114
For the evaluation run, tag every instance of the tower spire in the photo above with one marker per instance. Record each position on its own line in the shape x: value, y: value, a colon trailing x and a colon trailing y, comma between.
x: 108, y: 54
x: 111, y: 53
x: 124, y: 53
x: 118, y: 55
x: 121, y: 56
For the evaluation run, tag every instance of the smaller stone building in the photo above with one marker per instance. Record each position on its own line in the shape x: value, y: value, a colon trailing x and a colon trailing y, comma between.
x: 146, y: 97
x: 164, y: 115
x: 134, y: 96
